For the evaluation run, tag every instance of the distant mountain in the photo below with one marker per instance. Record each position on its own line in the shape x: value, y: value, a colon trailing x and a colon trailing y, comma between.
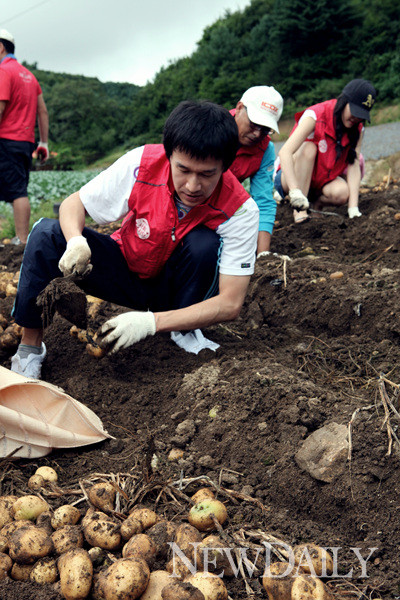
x: 307, y: 50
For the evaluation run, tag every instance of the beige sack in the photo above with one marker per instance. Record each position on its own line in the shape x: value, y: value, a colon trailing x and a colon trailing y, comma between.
x: 36, y: 417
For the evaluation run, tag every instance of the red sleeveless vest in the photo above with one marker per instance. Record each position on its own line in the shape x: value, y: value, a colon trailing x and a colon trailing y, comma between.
x: 151, y: 230
x: 248, y: 158
x: 326, y: 167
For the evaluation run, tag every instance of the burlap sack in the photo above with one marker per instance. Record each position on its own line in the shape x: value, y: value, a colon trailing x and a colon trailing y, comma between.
x: 36, y: 417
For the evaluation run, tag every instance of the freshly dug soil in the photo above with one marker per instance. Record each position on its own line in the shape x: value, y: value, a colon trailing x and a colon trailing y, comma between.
x: 307, y: 350
x: 64, y: 297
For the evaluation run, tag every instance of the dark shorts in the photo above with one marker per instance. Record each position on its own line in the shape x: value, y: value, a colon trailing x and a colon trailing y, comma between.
x: 15, y: 162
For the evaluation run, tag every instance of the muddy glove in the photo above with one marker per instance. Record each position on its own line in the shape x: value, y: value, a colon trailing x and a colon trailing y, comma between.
x: 76, y: 258
x: 42, y: 151
x: 353, y: 211
x: 127, y: 329
x: 298, y: 200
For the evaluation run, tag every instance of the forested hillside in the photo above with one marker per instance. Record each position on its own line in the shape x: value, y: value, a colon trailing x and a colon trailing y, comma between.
x: 307, y: 50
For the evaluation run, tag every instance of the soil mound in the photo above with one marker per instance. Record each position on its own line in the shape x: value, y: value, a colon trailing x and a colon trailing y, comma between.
x: 317, y: 343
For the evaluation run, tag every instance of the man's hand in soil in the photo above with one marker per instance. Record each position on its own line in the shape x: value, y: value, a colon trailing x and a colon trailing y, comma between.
x: 76, y: 258
x: 127, y: 329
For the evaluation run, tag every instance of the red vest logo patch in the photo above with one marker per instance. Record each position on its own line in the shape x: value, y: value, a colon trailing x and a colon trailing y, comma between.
x: 143, y: 228
x: 322, y: 146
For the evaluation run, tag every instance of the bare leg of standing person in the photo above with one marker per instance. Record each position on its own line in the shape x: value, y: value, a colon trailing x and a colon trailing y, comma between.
x: 22, y: 213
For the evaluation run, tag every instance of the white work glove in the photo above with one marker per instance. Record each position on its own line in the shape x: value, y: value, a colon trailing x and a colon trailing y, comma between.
x: 353, y: 211
x: 268, y: 253
x: 76, y: 258
x: 42, y: 151
x: 298, y: 200
x: 127, y: 329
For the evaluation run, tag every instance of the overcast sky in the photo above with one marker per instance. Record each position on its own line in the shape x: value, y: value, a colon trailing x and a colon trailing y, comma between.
x: 114, y: 40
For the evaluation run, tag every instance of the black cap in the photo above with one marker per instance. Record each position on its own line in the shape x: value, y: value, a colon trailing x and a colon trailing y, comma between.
x: 361, y: 95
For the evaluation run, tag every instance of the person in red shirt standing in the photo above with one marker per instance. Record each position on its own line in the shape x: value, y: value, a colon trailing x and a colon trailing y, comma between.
x: 21, y: 101
x: 320, y: 162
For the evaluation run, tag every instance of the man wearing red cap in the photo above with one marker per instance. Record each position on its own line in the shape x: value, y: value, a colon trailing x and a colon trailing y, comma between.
x: 21, y: 100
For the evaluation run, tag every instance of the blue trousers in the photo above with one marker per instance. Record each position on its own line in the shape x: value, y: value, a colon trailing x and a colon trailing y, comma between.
x: 190, y: 275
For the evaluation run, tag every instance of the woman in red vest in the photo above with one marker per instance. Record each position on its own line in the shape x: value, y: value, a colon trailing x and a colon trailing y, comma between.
x: 324, y: 142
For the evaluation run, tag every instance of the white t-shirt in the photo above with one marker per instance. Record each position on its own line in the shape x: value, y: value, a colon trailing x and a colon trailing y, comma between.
x: 106, y: 197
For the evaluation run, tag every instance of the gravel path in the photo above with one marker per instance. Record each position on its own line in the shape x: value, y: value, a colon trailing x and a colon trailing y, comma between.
x: 379, y: 141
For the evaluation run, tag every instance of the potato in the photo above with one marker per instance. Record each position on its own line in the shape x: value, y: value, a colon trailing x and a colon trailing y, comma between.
x: 162, y: 533
x: 65, y: 515
x: 82, y: 336
x: 181, y: 590
x: 200, y: 514
x: 97, y: 515
x: 321, y: 559
x: 212, y: 550
x: 178, y: 569
x: 95, y: 351
x: 3, y: 321
x: 28, y: 544
x: 202, y: 494
x: 76, y: 574
x: 6, y: 513
x: 126, y: 579
x: 102, y: 532
x: 44, y: 521
x: 130, y: 527
x: 97, y: 556
x: 9, y: 529
x: 139, y: 520
x: 275, y: 584
x: 74, y: 331
x: 212, y: 586
x: 145, y: 516
x: 175, y: 454
x: 140, y: 546
x: 185, y: 537
x: 11, y: 289
x: 5, y: 562
x: 29, y: 508
x: 3, y: 543
x: 36, y: 482
x: 158, y: 580
x: 306, y: 587
x: 102, y: 495
x: 44, y: 571
x: 21, y: 572
x: 8, y: 341
x: 67, y: 538
x: 48, y: 474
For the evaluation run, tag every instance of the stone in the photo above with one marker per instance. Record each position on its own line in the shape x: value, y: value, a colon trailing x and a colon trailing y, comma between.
x: 186, y: 428
x: 206, y: 461
x: 324, y: 453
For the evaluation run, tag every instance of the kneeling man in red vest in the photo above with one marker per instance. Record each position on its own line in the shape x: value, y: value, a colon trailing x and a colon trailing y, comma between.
x: 183, y: 255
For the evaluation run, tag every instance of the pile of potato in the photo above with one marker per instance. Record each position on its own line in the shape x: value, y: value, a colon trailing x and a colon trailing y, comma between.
x: 105, y: 555
x: 10, y: 334
x: 8, y: 283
